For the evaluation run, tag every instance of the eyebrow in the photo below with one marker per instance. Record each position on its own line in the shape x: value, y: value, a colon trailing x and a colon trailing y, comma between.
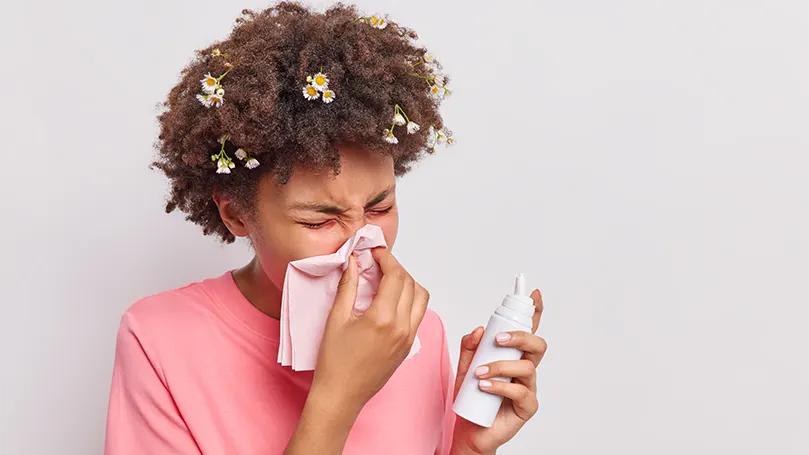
x: 331, y: 209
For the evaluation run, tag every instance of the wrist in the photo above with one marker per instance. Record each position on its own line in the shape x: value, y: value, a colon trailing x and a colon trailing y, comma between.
x: 462, y: 446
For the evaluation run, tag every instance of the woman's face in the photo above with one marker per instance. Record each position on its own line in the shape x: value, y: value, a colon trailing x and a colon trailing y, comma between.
x: 316, y: 212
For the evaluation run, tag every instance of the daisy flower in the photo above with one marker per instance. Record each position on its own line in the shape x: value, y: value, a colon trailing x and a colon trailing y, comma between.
x: 204, y: 100
x: 216, y: 100
x: 320, y: 82
x: 252, y: 163
x: 436, y: 92
x: 220, y: 91
x: 310, y: 92
x: 328, y: 96
x: 412, y: 127
x: 309, y: 79
x: 439, y: 80
x: 241, y: 154
x: 216, y: 52
x: 398, y: 119
x: 389, y: 137
x: 209, y: 83
x: 381, y: 23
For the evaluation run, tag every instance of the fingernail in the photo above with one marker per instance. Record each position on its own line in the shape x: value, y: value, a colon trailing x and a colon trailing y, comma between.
x: 481, y: 370
x: 503, y: 337
x: 484, y: 384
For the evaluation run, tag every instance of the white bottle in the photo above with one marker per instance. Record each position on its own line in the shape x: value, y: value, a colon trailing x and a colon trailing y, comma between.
x: 515, y: 313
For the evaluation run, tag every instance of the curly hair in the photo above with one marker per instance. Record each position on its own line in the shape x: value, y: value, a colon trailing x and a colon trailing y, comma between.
x: 269, y: 54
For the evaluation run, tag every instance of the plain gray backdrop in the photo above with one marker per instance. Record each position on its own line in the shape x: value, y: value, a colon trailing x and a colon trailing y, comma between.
x: 645, y: 163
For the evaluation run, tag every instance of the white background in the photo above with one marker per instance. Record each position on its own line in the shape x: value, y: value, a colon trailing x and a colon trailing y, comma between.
x: 645, y: 163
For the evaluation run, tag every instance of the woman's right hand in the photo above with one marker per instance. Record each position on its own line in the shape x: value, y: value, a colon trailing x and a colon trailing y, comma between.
x: 360, y: 352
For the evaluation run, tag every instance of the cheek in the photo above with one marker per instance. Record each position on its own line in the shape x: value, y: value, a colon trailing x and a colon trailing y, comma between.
x: 390, y: 226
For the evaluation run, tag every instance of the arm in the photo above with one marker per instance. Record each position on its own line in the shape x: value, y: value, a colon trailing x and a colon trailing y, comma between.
x: 142, y: 417
x: 324, y: 425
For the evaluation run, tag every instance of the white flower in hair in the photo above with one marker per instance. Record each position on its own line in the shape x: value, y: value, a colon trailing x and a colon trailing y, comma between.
x: 204, y: 100
x: 320, y: 82
x: 412, y: 127
x: 209, y: 83
x: 328, y: 96
x: 224, y: 165
x: 220, y: 91
x: 381, y: 23
x: 216, y: 99
x: 389, y: 137
x: 310, y: 92
x: 437, y: 92
x: 309, y: 79
x: 440, y: 137
x: 398, y: 119
x: 252, y: 163
x: 439, y: 80
x: 224, y: 138
x: 241, y: 154
x: 428, y: 57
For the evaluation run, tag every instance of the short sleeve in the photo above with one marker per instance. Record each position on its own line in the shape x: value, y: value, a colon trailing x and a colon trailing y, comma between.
x: 448, y: 387
x: 142, y: 416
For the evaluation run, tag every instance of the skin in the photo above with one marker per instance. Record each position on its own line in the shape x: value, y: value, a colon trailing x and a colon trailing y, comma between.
x: 314, y: 214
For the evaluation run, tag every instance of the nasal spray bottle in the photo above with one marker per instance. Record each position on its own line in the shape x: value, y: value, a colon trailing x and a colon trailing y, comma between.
x: 515, y: 313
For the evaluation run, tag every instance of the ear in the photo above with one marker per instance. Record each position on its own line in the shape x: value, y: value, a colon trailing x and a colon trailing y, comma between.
x: 230, y: 214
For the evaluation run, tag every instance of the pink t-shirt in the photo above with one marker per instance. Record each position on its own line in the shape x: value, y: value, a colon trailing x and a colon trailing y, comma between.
x: 196, y: 372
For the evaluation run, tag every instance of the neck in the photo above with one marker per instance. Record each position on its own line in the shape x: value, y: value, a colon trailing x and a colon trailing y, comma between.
x: 258, y: 289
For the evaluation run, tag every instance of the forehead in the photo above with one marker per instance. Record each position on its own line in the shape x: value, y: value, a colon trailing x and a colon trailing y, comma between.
x: 363, y: 174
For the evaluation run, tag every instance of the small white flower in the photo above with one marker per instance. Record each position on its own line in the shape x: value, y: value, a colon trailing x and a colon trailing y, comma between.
x: 309, y: 79
x: 204, y: 99
x: 223, y: 167
x: 216, y: 99
x: 440, y: 137
x: 439, y: 80
x: 436, y: 92
x: 389, y: 137
x: 209, y: 83
x: 241, y: 154
x: 381, y: 23
x: 224, y: 138
x: 412, y: 127
x: 398, y: 119
x: 320, y: 82
x: 310, y: 92
x: 428, y: 57
x: 220, y: 91
x: 252, y: 163
x: 328, y: 96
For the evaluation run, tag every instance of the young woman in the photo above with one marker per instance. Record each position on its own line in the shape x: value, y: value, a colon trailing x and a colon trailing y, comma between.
x: 291, y: 133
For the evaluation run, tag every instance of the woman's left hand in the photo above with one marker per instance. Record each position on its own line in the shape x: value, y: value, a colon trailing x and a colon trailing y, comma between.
x: 520, y: 403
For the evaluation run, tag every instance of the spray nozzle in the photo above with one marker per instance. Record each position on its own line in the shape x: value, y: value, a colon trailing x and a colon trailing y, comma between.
x: 519, y: 285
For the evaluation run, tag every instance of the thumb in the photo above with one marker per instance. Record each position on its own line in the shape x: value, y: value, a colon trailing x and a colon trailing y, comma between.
x: 469, y: 345
x: 346, y: 295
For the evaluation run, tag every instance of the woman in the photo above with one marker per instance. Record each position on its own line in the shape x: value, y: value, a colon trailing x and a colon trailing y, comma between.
x: 291, y: 133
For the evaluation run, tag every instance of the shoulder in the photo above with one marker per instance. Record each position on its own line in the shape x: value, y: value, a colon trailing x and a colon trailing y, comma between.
x: 171, y: 314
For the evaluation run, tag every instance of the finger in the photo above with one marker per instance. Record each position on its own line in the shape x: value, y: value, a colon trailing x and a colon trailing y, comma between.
x: 508, y: 369
x: 469, y: 344
x: 524, y: 400
x: 533, y: 346
x: 405, y: 306
x: 346, y: 295
x: 391, y: 285
x: 538, y: 306
x: 421, y: 298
